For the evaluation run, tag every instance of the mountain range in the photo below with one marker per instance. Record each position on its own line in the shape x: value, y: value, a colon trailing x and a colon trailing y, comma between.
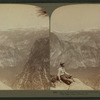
x: 81, y: 50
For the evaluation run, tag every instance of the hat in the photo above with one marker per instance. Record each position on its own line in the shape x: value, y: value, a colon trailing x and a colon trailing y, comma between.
x: 61, y: 64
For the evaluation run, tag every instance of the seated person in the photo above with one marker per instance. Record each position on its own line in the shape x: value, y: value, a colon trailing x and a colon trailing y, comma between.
x: 63, y: 75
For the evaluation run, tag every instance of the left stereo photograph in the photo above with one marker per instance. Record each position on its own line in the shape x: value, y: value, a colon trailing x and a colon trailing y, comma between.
x: 24, y: 47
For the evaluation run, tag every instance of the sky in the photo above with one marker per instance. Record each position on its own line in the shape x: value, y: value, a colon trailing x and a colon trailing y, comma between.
x: 21, y: 16
x: 77, y: 17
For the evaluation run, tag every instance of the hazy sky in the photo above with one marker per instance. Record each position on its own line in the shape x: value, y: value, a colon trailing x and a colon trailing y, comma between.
x: 21, y: 16
x: 75, y: 17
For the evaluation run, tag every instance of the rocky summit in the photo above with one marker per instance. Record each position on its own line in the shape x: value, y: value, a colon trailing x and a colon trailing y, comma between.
x: 77, y: 85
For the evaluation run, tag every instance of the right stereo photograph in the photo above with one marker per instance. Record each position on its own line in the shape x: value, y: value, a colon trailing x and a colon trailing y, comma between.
x: 75, y: 47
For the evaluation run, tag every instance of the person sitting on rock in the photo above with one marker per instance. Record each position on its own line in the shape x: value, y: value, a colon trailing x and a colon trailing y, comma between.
x: 63, y: 75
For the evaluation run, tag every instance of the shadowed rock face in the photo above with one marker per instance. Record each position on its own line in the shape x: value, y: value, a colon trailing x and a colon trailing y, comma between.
x: 36, y: 72
x: 56, y: 50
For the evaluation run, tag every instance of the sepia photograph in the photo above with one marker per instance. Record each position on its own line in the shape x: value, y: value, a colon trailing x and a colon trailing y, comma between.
x: 24, y: 47
x: 75, y: 47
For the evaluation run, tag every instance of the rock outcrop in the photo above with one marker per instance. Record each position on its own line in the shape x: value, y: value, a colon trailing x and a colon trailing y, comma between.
x: 77, y: 85
x: 35, y: 75
x: 4, y: 87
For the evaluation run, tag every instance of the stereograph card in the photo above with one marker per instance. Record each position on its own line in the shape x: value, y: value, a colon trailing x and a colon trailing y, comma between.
x: 49, y: 49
